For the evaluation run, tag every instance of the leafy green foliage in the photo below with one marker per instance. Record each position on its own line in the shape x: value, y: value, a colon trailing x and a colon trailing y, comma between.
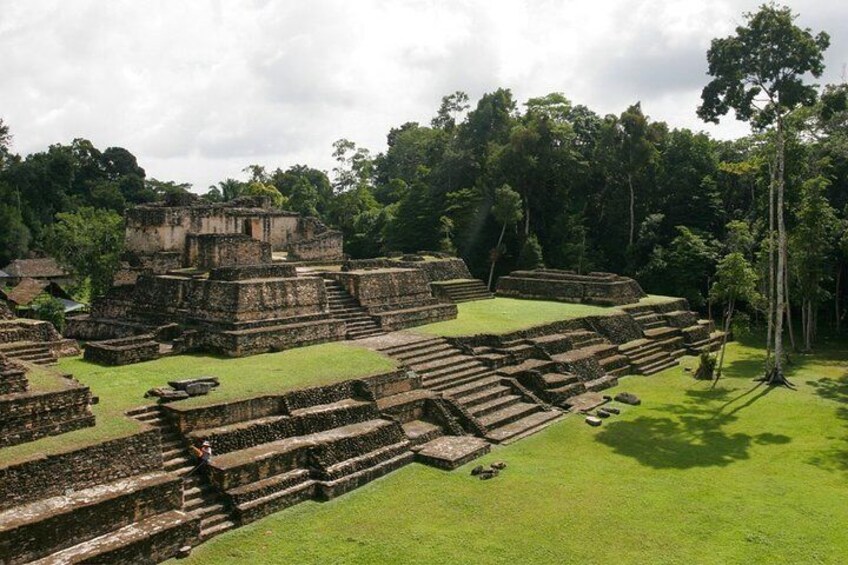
x: 47, y: 308
x: 89, y: 243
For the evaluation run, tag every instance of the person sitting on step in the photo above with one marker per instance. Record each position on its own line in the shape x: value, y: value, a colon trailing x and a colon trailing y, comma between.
x: 204, y: 454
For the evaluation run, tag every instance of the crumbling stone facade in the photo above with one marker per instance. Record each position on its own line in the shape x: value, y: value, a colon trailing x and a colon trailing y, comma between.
x: 605, y: 289
x: 159, y: 228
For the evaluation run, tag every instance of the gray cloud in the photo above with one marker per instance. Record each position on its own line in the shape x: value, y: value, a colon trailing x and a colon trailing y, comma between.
x: 199, y: 90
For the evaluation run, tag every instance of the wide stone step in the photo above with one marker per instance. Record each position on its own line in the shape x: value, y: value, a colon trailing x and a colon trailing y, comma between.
x: 660, y: 365
x: 399, y: 351
x: 160, y: 536
x: 455, y: 379
x: 527, y: 365
x: 662, y: 333
x: 494, y: 405
x: 648, y: 359
x: 275, y: 501
x: 249, y: 465
x: 419, y: 432
x: 559, y: 394
x: 508, y: 414
x: 485, y: 395
x: 554, y: 380
x: 446, y: 350
x: 327, y: 490
x: 525, y: 426
x: 217, y: 529
x: 602, y: 383
x: 469, y: 385
x: 467, y: 363
x: 425, y: 367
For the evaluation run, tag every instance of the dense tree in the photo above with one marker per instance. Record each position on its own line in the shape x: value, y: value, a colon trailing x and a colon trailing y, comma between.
x: 735, y: 281
x: 507, y: 212
x: 759, y: 72
x: 88, y: 243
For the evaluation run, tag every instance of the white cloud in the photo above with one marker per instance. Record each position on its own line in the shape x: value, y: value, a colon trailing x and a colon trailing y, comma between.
x: 199, y: 90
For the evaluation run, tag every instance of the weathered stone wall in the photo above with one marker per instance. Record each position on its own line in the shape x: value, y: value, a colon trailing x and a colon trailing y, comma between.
x: 375, y: 289
x: 152, y: 228
x: 441, y: 269
x: 123, y: 351
x: 196, y: 300
x: 618, y: 328
x: 388, y: 384
x: 28, y: 416
x: 5, y: 313
x: 89, y: 328
x: 51, y: 475
x: 250, y: 341
x: 326, y: 246
x: 75, y: 517
x: 214, y: 415
x: 397, y: 320
x: 247, y: 272
x: 23, y: 329
x: 566, y: 286
x: 210, y: 250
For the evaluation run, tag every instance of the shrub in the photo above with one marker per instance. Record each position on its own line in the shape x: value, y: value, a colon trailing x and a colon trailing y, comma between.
x: 706, y: 367
x: 47, y: 308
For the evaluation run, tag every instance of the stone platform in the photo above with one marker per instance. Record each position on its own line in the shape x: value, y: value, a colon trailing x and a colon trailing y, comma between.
x: 606, y: 289
x: 452, y: 452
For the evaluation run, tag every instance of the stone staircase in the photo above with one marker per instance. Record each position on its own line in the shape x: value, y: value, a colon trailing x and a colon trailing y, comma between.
x: 200, y: 498
x: 493, y: 406
x: 29, y: 351
x: 660, y: 349
x: 461, y: 290
x: 321, y: 448
x: 343, y: 306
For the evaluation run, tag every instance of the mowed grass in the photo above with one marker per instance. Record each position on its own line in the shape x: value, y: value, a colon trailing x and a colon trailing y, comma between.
x: 504, y: 315
x: 739, y: 474
x: 123, y: 388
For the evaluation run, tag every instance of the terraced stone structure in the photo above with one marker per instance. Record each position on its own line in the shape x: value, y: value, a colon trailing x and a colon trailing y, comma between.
x: 33, y: 341
x: 449, y: 276
x: 28, y: 413
x: 606, y: 289
x: 225, y: 293
x: 89, y: 506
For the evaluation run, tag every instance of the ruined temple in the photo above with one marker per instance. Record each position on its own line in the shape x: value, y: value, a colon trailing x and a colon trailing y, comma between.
x: 243, y: 278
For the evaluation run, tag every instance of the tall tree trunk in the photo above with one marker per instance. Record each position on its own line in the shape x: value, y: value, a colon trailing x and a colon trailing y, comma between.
x: 495, y: 256
x: 771, y: 252
x: 730, y: 306
x: 789, y: 311
x: 777, y: 376
x: 837, y: 309
x: 632, y: 207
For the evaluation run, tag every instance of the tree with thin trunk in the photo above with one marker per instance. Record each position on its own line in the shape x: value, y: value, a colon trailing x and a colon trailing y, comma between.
x: 759, y: 72
x: 735, y: 281
x: 507, y: 211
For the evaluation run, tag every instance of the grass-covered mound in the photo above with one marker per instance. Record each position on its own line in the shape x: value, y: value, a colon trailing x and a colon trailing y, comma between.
x: 122, y: 388
x: 740, y: 474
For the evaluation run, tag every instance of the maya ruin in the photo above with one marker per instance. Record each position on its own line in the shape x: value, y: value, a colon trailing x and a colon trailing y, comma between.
x: 244, y: 279
x: 423, y: 283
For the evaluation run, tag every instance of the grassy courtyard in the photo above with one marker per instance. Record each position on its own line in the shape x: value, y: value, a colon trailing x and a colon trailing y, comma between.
x: 122, y: 388
x: 505, y: 315
x: 739, y: 474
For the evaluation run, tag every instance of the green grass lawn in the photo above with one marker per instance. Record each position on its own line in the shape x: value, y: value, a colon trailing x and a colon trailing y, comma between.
x: 122, y: 388
x: 504, y: 315
x: 739, y: 474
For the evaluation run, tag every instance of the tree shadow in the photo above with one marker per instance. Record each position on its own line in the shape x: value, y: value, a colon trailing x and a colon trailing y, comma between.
x: 693, y: 435
x: 834, y: 458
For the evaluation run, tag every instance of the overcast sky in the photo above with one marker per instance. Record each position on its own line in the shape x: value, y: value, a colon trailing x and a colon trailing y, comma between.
x: 198, y: 90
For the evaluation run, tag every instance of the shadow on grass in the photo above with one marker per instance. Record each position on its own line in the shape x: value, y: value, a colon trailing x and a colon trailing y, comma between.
x: 835, y: 458
x: 693, y: 435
